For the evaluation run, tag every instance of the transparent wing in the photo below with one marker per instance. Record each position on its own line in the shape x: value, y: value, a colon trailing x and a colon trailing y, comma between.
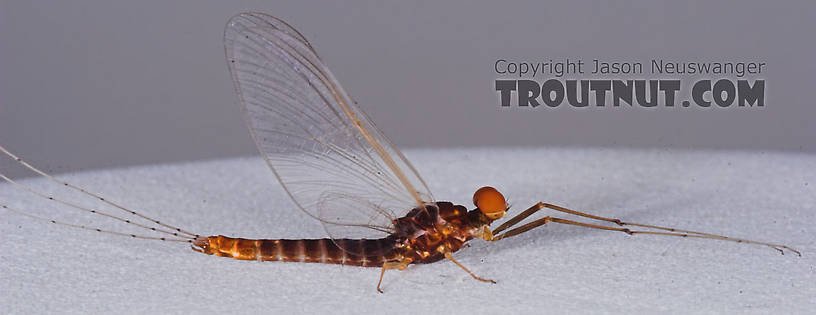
x: 328, y: 155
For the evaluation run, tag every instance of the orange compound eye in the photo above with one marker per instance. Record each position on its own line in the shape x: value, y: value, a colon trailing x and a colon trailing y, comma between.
x: 490, y: 201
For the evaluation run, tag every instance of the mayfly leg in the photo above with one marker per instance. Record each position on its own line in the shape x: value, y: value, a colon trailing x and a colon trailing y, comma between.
x: 497, y: 233
x: 449, y: 256
x: 184, y: 236
x: 401, y: 265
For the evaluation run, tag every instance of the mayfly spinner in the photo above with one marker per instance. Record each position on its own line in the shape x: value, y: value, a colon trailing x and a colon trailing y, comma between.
x: 340, y: 169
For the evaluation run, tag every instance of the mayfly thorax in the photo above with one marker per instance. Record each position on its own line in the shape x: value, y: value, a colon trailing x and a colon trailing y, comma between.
x: 340, y: 169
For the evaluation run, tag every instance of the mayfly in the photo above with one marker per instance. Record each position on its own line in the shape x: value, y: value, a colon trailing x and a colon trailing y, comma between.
x: 340, y: 169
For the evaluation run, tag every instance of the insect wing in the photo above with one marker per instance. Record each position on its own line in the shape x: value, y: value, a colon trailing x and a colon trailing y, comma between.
x: 328, y: 155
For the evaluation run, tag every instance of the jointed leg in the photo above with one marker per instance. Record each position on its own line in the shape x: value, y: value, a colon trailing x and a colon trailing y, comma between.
x: 671, y: 231
x: 617, y: 221
x: 521, y: 216
x: 535, y: 208
x: 450, y: 257
x: 545, y: 220
x: 401, y: 265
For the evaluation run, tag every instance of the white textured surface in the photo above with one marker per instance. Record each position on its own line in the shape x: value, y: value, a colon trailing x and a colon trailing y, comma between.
x: 555, y: 269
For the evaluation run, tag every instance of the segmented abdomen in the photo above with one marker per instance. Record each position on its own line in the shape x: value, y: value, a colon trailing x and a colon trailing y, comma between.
x: 359, y: 252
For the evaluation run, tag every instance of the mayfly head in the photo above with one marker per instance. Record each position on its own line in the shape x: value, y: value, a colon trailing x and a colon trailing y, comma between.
x: 490, y: 202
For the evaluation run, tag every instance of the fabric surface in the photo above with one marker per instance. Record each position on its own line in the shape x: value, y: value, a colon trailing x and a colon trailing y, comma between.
x: 552, y: 269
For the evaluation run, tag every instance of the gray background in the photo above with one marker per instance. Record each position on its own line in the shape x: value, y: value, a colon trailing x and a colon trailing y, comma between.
x: 87, y: 84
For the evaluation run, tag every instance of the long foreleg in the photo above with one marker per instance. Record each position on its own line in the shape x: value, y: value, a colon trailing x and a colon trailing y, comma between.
x: 669, y: 231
